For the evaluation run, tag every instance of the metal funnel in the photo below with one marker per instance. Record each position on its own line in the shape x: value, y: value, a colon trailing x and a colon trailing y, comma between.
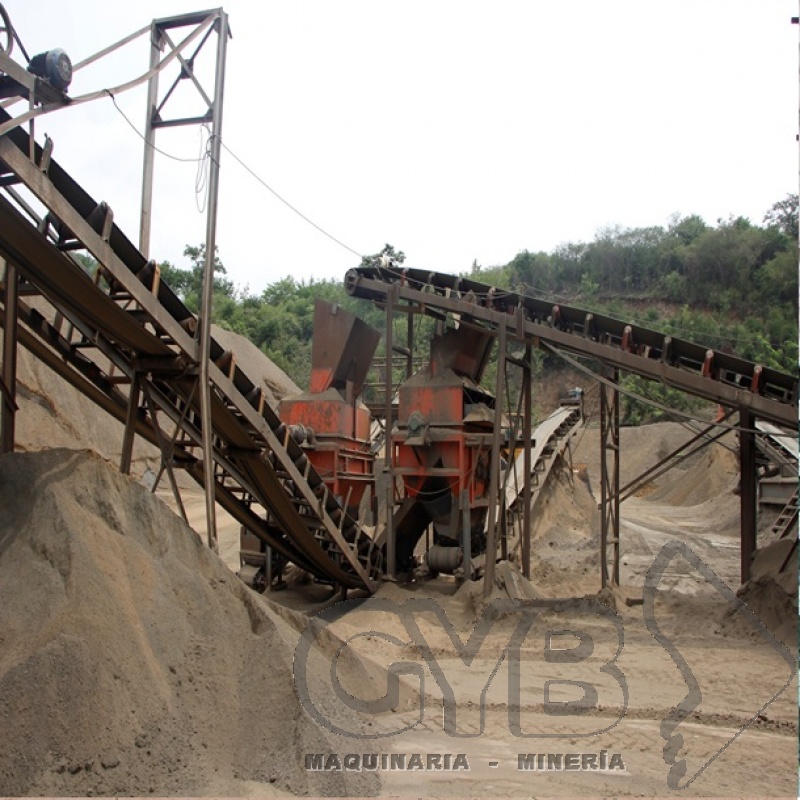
x: 342, y: 349
x: 464, y: 350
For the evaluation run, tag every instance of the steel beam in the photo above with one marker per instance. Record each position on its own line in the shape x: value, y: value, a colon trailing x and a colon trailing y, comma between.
x: 205, y: 317
x: 148, y: 168
x: 609, y: 481
x: 166, y: 454
x: 749, y: 491
x: 388, y: 466
x: 130, y: 424
x: 494, y: 482
x: 527, y: 432
x: 9, y: 371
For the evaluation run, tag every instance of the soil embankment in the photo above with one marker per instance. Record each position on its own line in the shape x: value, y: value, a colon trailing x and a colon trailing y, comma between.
x: 132, y: 661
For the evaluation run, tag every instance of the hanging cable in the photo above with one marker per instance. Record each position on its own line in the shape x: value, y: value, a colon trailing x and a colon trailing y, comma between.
x: 288, y: 204
x: 202, y: 174
x: 203, y: 164
x: 144, y: 138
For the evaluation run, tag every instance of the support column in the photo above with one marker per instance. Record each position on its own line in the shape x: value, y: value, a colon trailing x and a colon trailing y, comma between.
x: 527, y: 399
x: 748, y: 496
x: 145, y: 219
x: 466, y: 534
x: 9, y: 372
x: 609, y: 480
x: 388, y: 469
x: 494, y: 483
x: 204, y: 327
x: 130, y: 425
x: 409, y: 345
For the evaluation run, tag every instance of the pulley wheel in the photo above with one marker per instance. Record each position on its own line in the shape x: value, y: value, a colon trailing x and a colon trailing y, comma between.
x: 6, y: 32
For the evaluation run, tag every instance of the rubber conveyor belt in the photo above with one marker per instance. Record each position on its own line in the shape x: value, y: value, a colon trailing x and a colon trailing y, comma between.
x: 720, y: 377
x: 130, y: 323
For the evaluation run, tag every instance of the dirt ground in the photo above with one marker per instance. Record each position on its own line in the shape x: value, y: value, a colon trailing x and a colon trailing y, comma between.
x: 132, y: 661
x: 738, y: 666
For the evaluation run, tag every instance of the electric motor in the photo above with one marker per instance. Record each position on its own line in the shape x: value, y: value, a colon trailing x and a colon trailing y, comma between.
x: 54, y: 66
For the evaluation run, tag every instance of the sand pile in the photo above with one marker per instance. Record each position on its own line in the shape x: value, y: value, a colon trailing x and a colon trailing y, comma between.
x: 255, y: 364
x: 713, y: 472
x: 565, y: 538
x: 54, y: 414
x: 640, y: 449
x: 132, y: 661
x: 771, y: 592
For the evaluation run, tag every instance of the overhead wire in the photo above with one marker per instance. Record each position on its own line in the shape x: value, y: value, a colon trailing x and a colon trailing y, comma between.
x: 203, y: 164
x: 287, y: 203
x: 150, y: 144
x: 202, y: 173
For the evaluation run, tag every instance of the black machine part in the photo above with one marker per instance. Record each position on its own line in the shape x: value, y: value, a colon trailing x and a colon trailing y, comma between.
x: 54, y: 66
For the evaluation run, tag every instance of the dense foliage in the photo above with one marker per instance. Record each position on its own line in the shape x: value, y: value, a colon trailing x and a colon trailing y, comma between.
x: 732, y: 286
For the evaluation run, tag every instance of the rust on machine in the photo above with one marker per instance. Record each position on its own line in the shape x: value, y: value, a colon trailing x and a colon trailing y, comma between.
x: 342, y: 349
x: 441, y: 450
x: 329, y: 421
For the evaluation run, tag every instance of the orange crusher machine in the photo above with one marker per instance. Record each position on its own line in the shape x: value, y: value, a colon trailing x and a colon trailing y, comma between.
x: 441, y: 451
x: 330, y: 423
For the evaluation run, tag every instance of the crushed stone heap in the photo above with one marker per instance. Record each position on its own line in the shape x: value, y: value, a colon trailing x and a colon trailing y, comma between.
x: 132, y: 661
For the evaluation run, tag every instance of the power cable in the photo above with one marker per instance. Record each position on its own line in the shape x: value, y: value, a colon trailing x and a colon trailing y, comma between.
x: 144, y: 138
x: 202, y: 173
x: 201, y: 179
x: 288, y: 204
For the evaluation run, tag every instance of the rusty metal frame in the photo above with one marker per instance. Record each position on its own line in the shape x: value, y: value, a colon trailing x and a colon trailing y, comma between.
x: 757, y: 391
x: 495, y: 505
x: 748, y: 496
x: 523, y: 412
x: 140, y: 325
x: 732, y: 381
x: 388, y: 465
x: 8, y: 376
x: 527, y: 433
x: 609, y: 480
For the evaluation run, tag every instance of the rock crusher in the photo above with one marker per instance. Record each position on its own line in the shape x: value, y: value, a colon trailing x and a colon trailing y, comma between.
x: 441, y: 451
x: 330, y: 423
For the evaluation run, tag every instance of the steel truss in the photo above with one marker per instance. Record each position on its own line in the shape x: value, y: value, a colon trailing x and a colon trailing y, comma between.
x: 125, y: 329
x: 758, y: 392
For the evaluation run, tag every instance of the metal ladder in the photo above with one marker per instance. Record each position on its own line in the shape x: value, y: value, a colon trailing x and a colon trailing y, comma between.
x: 787, y: 519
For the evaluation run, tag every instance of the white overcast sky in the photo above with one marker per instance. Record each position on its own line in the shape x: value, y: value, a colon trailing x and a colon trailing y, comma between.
x: 453, y: 129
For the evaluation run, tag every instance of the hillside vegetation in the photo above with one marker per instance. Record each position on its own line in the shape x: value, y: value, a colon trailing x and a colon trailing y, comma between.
x: 731, y: 286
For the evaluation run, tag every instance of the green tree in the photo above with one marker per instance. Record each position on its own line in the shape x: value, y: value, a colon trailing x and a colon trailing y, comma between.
x: 387, y: 252
x: 783, y: 215
x: 188, y: 283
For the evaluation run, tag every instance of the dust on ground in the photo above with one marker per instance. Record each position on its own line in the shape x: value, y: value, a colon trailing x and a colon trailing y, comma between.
x: 133, y: 662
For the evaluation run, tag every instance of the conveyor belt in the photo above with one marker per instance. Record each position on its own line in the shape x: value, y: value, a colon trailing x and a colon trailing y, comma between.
x: 786, y: 444
x: 550, y: 439
x: 720, y: 377
x: 130, y: 325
